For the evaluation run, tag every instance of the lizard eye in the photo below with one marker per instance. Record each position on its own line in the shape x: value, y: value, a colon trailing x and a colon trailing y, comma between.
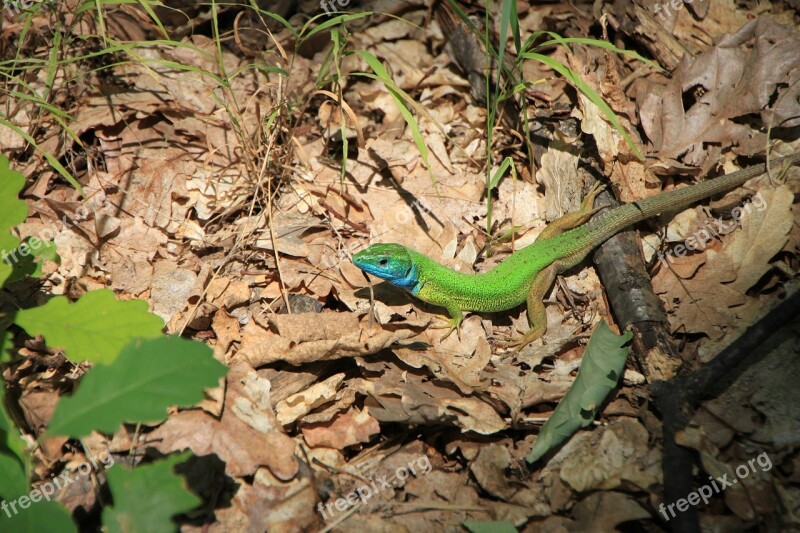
x: 383, y: 262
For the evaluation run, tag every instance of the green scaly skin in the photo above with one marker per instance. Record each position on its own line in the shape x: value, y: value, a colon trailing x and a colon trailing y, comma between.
x: 528, y: 274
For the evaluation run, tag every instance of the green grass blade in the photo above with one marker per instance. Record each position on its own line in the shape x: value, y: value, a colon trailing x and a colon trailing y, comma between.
x: 590, y: 93
x: 400, y: 98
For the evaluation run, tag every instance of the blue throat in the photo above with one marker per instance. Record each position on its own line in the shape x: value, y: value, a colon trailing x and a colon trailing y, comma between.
x: 409, y: 282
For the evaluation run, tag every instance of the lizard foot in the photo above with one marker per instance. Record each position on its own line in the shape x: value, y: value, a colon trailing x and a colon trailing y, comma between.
x: 450, y: 325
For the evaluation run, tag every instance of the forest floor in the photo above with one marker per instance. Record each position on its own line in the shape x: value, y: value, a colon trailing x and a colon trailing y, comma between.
x: 228, y: 173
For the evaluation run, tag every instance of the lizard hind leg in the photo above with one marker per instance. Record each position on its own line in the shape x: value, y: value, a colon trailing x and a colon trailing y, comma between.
x: 537, y: 317
x: 576, y: 218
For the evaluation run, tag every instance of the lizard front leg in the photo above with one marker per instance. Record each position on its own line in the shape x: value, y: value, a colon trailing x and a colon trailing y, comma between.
x: 453, y: 324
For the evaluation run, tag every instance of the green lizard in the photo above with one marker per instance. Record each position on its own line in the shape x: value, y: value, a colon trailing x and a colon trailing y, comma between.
x: 528, y: 274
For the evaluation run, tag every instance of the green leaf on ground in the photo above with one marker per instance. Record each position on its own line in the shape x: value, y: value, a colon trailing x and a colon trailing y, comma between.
x: 601, y: 368
x: 149, y: 376
x: 42, y: 515
x: 13, y: 478
x: 147, y: 497
x: 29, y: 257
x: 94, y: 328
x: 14, y: 210
x: 8, y: 243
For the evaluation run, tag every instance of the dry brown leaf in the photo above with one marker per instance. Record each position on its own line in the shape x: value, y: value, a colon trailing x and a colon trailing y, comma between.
x: 171, y: 288
x: 237, y: 443
x: 604, y: 511
x: 700, y: 302
x: 308, y: 337
x: 346, y: 429
x: 712, y: 282
x: 302, y: 403
x: 622, y: 454
x: 270, y: 504
x: 489, y: 469
x: 416, y: 402
x: 128, y: 256
x: 226, y: 293
x: 764, y: 231
x: 724, y: 84
x: 561, y: 180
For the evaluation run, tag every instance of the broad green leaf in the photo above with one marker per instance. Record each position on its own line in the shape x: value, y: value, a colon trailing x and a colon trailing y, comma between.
x: 149, y: 376
x: 14, y: 211
x: 6, y: 343
x: 41, y: 515
x: 94, y: 328
x: 601, y: 368
x: 503, y: 526
x: 13, y: 478
x: 29, y: 256
x: 8, y: 244
x: 147, y: 497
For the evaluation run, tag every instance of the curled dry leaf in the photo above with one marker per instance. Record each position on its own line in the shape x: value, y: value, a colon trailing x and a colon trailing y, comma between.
x: 308, y: 337
x: 621, y: 455
x: 755, y: 71
x: 415, y: 401
x: 236, y: 442
x: 705, y: 286
x: 346, y: 429
x: 304, y: 402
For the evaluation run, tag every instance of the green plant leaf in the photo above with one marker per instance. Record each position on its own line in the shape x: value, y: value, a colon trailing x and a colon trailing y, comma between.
x: 599, y: 44
x: 601, y: 367
x: 13, y: 459
x: 6, y: 343
x: 8, y: 244
x: 94, y: 328
x: 400, y: 98
x: 503, y: 526
x: 147, y: 497
x: 149, y: 376
x: 14, y: 210
x: 339, y: 19
x: 42, y: 515
x: 29, y: 256
x: 494, y: 181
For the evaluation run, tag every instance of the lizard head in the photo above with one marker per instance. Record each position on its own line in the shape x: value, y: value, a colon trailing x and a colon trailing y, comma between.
x: 392, y: 262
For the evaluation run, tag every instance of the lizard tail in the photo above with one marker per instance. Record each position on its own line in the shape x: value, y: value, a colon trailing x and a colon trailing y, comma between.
x: 608, y: 223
